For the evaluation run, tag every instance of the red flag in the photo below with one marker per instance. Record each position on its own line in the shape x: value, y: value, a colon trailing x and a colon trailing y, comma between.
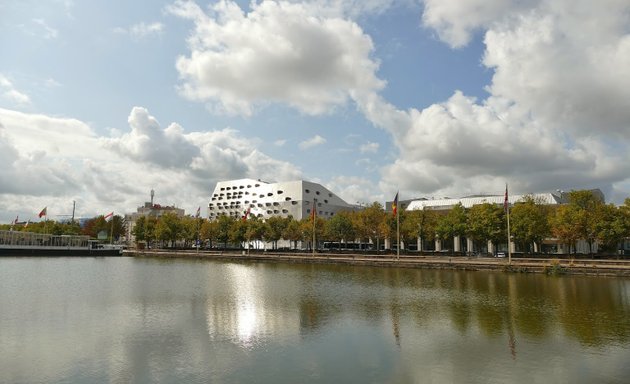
x: 314, y: 210
x: 43, y: 212
x: 395, y: 205
x: 247, y: 214
x: 109, y: 216
x: 505, y: 201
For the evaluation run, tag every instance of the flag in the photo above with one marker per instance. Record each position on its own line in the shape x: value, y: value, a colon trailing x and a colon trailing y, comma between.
x: 314, y: 210
x: 395, y: 205
x: 44, y: 212
x: 247, y: 214
x: 198, y: 212
x: 27, y: 223
x: 16, y: 220
x: 109, y: 216
x: 505, y: 201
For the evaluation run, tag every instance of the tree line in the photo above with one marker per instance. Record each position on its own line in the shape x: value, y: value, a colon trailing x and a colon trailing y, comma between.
x: 585, y: 217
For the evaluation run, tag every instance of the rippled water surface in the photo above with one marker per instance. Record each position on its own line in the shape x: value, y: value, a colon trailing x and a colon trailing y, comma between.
x: 121, y: 320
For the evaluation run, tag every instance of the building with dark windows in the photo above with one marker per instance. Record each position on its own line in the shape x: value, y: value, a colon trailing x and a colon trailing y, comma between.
x: 237, y: 198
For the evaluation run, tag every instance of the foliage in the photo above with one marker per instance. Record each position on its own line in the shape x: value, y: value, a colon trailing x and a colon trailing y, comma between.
x: 486, y: 222
x: 530, y: 222
x: 339, y: 227
x: 578, y: 219
x: 452, y: 224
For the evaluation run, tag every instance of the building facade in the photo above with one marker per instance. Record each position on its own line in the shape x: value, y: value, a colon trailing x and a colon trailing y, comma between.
x: 237, y: 198
x: 467, y: 244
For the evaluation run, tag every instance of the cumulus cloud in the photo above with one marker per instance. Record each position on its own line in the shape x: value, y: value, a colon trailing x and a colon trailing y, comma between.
x: 291, y: 53
x: 49, y: 161
x: 557, y: 115
x: 148, y: 142
x: 312, y: 142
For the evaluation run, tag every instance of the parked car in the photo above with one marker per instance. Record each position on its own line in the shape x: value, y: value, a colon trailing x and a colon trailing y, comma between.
x: 500, y: 254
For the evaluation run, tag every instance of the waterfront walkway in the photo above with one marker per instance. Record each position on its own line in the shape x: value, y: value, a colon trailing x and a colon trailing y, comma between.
x: 523, y: 265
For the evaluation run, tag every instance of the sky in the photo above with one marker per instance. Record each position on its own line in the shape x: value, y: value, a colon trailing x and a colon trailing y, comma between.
x: 102, y: 101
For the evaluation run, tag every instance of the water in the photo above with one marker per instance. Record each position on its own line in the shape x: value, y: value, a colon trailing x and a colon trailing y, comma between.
x: 122, y: 320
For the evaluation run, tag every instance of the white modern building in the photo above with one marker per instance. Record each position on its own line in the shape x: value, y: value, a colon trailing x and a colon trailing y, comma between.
x: 236, y: 198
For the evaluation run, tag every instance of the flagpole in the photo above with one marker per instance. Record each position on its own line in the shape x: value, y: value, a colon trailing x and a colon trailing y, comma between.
x: 508, y: 238
x: 314, y: 218
x: 111, y: 231
x: 397, y: 233
x: 507, y: 211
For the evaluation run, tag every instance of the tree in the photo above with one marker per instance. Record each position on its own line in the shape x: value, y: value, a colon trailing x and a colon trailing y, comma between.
x: 339, y: 227
x: 610, y: 227
x: 371, y: 224
x: 485, y: 223
x: 209, y: 231
x: 169, y: 228
x: 190, y: 227
x: 255, y: 229
x: 293, y: 232
x: 577, y: 220
x: 452, y: 224
x: 139, y: 230
x: 238, y: 232
x: 530, y: 223
x: 224, y: 225
x: 275, y: 226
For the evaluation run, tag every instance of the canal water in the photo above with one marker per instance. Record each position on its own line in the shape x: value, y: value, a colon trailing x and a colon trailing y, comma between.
x: 125, y: 320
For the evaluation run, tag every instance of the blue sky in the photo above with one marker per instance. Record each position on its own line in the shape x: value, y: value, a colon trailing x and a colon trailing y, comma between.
x: 102, y: 101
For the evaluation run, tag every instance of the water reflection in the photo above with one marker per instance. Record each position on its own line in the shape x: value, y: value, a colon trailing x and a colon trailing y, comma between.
x: 126, y: 320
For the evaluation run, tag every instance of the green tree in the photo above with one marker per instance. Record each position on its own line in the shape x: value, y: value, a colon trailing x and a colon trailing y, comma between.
x: 209, y: 231
x: 293, y: 232
x: 255, y: 229
x: 577, y: 220
x: 169, y: 228
x: 139, y: 229
x: 610, y: 227
x: 224, y: 225
x: 452, y: 224
x: 339, y: 227
x: 274, y: 227
x: 371, y: 224
x: 190, y: 228
x: 530, y: 223
x: 485, y: 223
x: 238, y: 232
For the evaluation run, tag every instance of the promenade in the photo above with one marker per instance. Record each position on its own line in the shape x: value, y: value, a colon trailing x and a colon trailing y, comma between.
x: 518, y: 265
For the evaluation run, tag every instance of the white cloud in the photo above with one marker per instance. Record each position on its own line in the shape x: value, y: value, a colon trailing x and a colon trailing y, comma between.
x: 557, y: 115
x: 50, y: 161
x: 141, y: 30
x: 278, y: 52
x: 369, y: 147
x: 49, y: 32
x: 312, y: 142
x: 11, y: 94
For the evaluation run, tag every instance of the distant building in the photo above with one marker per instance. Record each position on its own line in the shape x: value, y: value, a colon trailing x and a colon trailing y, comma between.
x: 466, y: 244
x: 235, y: 198
x: 149, y: 209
